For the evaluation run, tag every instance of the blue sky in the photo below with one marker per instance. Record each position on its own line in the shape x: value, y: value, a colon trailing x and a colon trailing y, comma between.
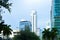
x: 21, y: 9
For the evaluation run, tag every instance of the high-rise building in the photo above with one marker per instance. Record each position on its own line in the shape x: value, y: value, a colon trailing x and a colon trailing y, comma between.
x: 34, y: 21
x: 25, y: 23
x: 55, y: 16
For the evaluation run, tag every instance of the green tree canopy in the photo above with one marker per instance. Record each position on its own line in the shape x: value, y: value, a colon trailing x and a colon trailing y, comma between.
x: 1, y: 26
x: 54, y: 33
x: 49, y: 34
x: 46, y: 34
x: 6, y: 29
x: 26, y: 35
x: 5, y: 4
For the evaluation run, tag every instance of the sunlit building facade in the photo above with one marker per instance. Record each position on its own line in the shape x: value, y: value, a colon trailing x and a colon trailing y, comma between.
x: 55, y: 16
x: 34, y: 21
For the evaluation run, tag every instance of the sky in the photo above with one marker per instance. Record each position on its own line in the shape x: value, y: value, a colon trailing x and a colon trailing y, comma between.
x: 21, y: 9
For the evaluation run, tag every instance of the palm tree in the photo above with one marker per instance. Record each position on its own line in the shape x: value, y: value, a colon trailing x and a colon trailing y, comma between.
x: 1, y: 26
x: 46, y: 34
x: 5, y: 4
x: 7, y: 31
x: 53, y: 33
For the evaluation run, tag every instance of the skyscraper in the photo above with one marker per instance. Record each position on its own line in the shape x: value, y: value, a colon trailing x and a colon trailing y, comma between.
x: 25, y: 23
x: 55, y: 15
x: 34, y: 21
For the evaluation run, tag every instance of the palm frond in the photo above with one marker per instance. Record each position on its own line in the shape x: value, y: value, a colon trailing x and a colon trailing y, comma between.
x: 6, y: 5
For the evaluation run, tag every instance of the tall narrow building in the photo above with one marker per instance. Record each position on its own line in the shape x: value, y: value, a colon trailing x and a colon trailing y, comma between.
x: 55, y: 16
x: 34, y: 21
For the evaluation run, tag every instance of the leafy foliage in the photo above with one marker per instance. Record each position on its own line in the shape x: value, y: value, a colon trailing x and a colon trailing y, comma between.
x: 54, y: 33
x: 5, y: 4
x: 46, y: 34
x: 49, y: 34
x: 1, y: 26
x: 7, y: 30
x: 26, y: 35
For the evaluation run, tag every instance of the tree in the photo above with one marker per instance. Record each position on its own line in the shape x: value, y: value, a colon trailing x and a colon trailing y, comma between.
x: 26, y: 35
x: 46, y: 34
x: 49, y: 34
x: 7, y: 31
x: 5, y: 4
x: 1, y: 26
x: 53, y: 33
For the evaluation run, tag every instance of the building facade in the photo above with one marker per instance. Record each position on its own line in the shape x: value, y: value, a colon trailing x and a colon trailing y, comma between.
x: 55, y: 16
x: 23, y: 24
x: 34, y: 21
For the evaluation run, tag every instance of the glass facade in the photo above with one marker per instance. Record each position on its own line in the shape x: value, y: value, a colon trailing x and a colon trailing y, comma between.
x: 55, y: 15
x: 25, y: 23
x: 57, y: 7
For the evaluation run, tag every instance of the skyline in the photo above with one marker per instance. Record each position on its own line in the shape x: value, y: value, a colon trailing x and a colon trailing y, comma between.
x: 24, y: 9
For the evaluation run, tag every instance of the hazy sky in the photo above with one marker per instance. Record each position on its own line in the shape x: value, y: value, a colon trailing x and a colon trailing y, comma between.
x: 21, y: 9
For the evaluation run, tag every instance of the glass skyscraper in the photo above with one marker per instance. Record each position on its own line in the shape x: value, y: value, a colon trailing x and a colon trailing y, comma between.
x: 55, y: 15
x: 23, y: 24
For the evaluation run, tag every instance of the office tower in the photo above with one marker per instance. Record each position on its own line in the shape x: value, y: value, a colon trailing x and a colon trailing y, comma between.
x: 55, y: 16
x: 24, y: 24
x: 34, y: 21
